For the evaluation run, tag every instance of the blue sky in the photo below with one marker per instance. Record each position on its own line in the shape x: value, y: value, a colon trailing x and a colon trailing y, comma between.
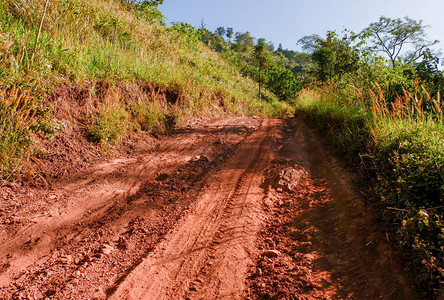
x: 286, y: 21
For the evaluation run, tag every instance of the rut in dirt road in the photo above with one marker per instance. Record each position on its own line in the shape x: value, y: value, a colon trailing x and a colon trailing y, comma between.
x: 208, y: 254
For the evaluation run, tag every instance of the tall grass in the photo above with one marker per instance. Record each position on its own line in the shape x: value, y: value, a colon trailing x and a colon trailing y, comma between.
x: 16, y: 118
x: 397, y: 148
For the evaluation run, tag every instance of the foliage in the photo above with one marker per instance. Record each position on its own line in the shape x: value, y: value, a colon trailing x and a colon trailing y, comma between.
x: 429, y: 73
x: 385, y: 118
x: 334, y: 56
x: 391, y: 36
x: 229, y: 33
x: 282, y: 82
x: 244, y: 42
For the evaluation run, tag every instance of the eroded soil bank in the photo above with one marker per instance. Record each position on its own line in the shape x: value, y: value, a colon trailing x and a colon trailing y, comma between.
x: 239, y: 208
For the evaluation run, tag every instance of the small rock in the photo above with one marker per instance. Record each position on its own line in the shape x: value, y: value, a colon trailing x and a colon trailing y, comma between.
x: 77, y: 260
x: 106, y: 249
x: 271, y: 253
x: 65, y: 259
x: 259, y: 272
x: 86, y: 258
x: 204, y: 158
x: 52, y: 197
x: 279, y: 190
x: 290, y: 177
x: 270, y: 243
x: 196, y: 158
x: 121, y: 243
x: 75, y: 281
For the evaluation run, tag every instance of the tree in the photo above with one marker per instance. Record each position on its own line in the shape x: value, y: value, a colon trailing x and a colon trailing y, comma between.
x: 151, y: 3
x: 148, y: 10
x: 146, y: 3
x: 229, y: 33
x: 202, y: 24
x: 429, y: 73
x: 244, y: 41
x: 261, y: 57
x: 392, y: 36
x: 282, y: 82
x: 205, y: 36
x: 334, y: 56
x: 220, y: 31
x: 310, y: 42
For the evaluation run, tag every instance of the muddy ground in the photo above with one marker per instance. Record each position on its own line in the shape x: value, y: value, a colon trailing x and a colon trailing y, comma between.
x: 240, y: 208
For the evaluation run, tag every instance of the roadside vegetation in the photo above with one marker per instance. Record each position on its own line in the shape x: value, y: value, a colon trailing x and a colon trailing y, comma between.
x: 118, y: 64
x: 381, y: 109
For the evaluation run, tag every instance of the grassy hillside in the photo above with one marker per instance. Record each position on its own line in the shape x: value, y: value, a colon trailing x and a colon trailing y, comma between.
x: 111, y: 69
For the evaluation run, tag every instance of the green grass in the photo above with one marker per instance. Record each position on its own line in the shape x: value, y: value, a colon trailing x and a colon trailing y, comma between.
x: 400, y: 161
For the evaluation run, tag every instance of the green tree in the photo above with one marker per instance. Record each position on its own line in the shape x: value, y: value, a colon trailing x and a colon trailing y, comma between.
x: 333, y: 56
x: 262, y: 60
x: 310, y: 43
x: 205, y: 36
x: 393, y: 36
x: 244, y: 42
x: 429, y: 73
x: 147, y: 9
x: 229, y: 33
x: 146, y: 3
x: 220, y: 31
x: 151, y: 3
x: 282, y: 82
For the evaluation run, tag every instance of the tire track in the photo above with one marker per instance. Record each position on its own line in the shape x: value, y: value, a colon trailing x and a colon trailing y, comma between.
x: 208, y: 254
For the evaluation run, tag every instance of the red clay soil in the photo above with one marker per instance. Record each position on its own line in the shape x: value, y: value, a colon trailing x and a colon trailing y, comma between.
x: 236, y: 209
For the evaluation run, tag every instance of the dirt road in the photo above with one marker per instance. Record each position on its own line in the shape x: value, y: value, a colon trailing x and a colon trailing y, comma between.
x: 239, y: 208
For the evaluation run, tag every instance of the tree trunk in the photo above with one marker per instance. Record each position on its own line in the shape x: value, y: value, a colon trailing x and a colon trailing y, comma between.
x: 260, y: 85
